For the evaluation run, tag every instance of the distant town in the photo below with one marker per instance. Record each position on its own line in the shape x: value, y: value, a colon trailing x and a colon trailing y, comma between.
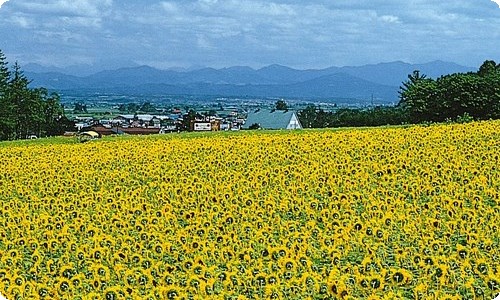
x: 112, y: 117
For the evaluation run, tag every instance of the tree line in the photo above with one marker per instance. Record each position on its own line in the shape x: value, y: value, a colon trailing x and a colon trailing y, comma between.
x: 474, y: 94
x: 314, y: 117
x: 451, y: 98
x: 26, y: 111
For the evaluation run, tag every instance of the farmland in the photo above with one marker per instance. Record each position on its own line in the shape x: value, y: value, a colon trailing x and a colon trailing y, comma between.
x: 395, y: 212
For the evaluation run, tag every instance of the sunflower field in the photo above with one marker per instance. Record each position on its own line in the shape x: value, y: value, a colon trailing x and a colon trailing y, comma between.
x: 404, y: 212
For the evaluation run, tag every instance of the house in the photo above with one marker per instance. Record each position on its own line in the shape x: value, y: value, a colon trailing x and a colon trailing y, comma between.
x: 155, y: 122
x: 140, y: 131
x: 225, y: 126
x: 83, y: 122
x: 123, y: 120
x: 273, y: 119
x: 104, y: 130
x: 144, y: 118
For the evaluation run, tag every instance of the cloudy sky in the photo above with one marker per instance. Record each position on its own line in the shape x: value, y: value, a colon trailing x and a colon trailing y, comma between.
x: 220, y: 33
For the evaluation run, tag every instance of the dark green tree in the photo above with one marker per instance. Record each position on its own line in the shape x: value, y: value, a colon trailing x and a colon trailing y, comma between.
x: 308, y: 116
x: 26, y: 111
x: 187, y: 119
x: 474, y: 94
x: 315, y: 117
x: 80, y: 108
x: 23, y: 103
x: 122, y: 108
x: 418, y: 96
x: 133, y: 108
x: 281, y: 105
x: 147, y: 107
x: 413, y: 79
x: 55, y: 123
x: 489, y: 68
x: 4, y: 75
x: 254, y: 126
x: 458, y: 94
x: 7, y: 113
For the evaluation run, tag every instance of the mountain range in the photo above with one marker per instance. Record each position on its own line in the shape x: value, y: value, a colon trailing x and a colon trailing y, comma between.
x: 359, y: 83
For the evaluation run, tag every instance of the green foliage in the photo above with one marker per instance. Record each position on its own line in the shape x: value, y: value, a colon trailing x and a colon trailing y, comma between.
x: 80, y: 108
x: 7, y: 122
x: 465, y: 118
x: 212, y: 113
x: 129, y: 108
x: 187, y: 119
x: 25, y: 111
x: 254, y: 126
x: 312, y: 117
x: 474, y: 94
x: 281, y: 105
x: 147, y: 107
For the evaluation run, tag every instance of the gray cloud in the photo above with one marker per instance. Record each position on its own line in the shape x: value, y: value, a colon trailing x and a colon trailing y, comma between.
x: 312, y: 34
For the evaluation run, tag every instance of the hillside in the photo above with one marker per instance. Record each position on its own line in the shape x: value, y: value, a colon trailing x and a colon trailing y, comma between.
x: 359, y: 83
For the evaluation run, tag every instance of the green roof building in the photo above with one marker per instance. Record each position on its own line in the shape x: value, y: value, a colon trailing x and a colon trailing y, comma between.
x: 273, y: 119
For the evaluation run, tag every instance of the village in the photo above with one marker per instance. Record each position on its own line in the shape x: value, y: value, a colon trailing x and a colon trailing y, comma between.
x: 175, y: 120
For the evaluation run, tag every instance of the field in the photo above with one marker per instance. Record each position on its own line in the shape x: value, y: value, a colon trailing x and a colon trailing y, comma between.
x: 407, y: 212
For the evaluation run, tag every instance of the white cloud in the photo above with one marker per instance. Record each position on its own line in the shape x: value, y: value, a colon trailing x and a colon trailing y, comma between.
x: 498, y: 3
x: 315, y: 33
x: 2, y: 2
x: 170, y: 7
x: 89, y: 8
x: 22, y: 21
x: 390, y: 19
x: 58, y: 14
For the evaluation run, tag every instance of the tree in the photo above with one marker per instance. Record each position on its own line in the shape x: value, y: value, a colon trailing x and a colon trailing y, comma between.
x: 80, y: 108
x: 412, y: 80
x: 489, y: 68
x: 122, y: 108
x: 7, y: 122
x: 25, y: 111
x: 254, y: 126
x: 21, y: 100
x: 307, y: 116
x: 417, y: 96
x: 133, y: 108
x: 212, y: 113
x: 54, y: 123
x: 4, y: 75
x: 187, y: 119
x: 312, y: 117
x: 281, y: 105
x: 476, y: 94
x: 147, y: 107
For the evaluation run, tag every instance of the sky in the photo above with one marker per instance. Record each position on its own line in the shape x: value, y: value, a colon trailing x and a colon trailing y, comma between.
x: 256, y: 33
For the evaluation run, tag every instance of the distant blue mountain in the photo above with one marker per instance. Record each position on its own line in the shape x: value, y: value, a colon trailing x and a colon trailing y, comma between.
x: 395, y: 73
x: 361, y: 83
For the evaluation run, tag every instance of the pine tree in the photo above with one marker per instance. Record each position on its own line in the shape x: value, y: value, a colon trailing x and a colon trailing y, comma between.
x: 24, y: 110
x: 19, y: 96
x: 7, y: 123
